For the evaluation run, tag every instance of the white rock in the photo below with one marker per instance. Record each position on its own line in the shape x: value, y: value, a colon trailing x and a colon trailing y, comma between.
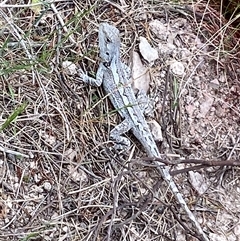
x: 214, y: 83
x: 237, y: 230
x: 166, y: 49
x: 65, y: 229
x: 69, y: 67
x: 177, y: 68
x: 33, y: 165
x: 159, y: 29
x: 37, y: 177
x: 48, y: 138
x: 77, y: 175
x: 140, y: 74
x: 148, y: 52
x: 156, y: 130
x: 198, y: 182
x: 47, y: 186
x: 179, y: 23
x: 70, y: 154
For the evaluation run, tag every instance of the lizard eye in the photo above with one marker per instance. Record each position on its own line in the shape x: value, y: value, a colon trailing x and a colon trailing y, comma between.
x: 108, y: 40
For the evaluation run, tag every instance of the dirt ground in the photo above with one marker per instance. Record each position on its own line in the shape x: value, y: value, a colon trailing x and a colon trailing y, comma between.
x: 60, y: 178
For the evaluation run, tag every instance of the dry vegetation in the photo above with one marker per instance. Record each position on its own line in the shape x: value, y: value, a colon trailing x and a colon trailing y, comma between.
x: 59, y: 177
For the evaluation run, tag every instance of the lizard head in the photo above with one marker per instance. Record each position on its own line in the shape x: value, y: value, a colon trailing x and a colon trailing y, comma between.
x: 109, y: 42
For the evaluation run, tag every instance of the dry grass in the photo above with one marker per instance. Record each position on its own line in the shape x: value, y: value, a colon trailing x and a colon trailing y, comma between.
x: 60, y: 178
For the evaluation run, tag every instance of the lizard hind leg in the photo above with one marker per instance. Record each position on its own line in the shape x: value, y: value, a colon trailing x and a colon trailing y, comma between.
x: 121, y: 142
x: 145, y: 103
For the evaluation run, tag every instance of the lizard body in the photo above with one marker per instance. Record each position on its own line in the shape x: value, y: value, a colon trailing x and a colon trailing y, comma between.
x: 116, y: 81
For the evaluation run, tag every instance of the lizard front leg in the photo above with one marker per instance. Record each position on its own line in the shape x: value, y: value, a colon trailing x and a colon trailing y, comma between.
x: 121, y: 143
x: 92, y: 81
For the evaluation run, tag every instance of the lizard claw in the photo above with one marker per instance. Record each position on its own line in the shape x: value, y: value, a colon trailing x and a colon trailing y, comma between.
x: 84, y: 77
x: 81, y: 73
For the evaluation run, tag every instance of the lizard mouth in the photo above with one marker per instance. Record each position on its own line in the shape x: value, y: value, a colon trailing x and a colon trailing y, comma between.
x: 105, y: 57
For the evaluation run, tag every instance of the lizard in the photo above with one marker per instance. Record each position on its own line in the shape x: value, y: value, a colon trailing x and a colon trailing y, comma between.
x: 115, y: 77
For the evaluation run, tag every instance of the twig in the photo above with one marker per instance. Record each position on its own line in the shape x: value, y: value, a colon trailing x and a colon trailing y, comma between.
x: 62, y: 23
x: 16, y: 153
x: 4, y: 5
x: 202, y: 163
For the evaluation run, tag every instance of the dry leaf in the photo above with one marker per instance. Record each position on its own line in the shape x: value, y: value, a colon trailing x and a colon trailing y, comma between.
x: 36, y: 8
x: 3, y: 210
x: 205, y: 105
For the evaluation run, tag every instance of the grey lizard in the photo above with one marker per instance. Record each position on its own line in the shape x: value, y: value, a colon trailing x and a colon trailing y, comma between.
x: 116, y: 80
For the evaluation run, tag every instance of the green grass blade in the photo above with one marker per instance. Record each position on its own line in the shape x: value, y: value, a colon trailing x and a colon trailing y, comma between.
x: 30, y: 236
x: 13, y: 116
